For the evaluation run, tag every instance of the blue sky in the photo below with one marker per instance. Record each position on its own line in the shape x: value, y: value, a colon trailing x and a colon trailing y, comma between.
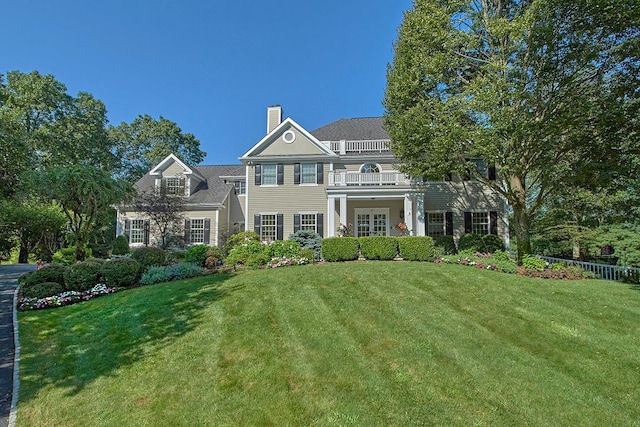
x: 213, y: 66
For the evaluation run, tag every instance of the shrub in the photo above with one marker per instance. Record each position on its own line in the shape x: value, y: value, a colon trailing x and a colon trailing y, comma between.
x: 197, y: 254
x: 121, y: 272
x: 214, y: 257
x: 308, y: 254
x: 257, y: 260
x: 308, y: 240
x: 501, y: 255
x: 492, y: 243
x: 282, y: 249
x: 67, y: 256
x: 120, y: 245
x: 533, y: 263
x: 631, y: 277
x: 506, y: 266
x: 41, y: 290
x: 340, y: 249
x: 149, y: 257
x: 379, y: 247
x: 240, y: 239
x: 82, y: 276
x: 240, y: 253
x: 471, y: 241
x: 416, y: 248
x: 173, y: 272
x: 447, y: 244
x: 52, y: 273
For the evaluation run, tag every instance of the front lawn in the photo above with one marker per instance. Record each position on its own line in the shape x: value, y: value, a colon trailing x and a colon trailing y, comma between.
x: 362, y: 343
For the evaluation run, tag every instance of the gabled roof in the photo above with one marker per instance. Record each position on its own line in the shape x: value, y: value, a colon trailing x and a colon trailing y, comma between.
x: 358, y: 129
x: 213, y: 188
x: 173, y: 159
x: 271, y: 136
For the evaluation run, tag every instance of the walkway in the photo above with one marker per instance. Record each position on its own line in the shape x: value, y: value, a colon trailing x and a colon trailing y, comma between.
x: 8, y: 282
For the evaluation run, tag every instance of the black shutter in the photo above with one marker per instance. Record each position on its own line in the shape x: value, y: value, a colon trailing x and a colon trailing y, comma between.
x: 258, y: 173
x: 320, y: 224
x: 319, y: 174
x: 279, y: 227
x: 146, y: 231
x: 296, y: 173
x: 448, y: 223
x: 296, y: 223
x: 493, y: 222
x: 207, y: 231
x: 467, y: 222
x: 492, y: 173
x: 187, y: 231
x: 256, y: 224
x: 127, y: 229
x: 280, y: 173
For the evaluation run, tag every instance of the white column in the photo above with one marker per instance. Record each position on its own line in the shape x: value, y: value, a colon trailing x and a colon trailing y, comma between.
x: 343, y: 209
x: 408, y: 213
x: 331, y: 216
x: 420, y: 229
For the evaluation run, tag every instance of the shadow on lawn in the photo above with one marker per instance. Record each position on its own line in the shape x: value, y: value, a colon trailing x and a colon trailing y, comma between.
x: 72, y: 346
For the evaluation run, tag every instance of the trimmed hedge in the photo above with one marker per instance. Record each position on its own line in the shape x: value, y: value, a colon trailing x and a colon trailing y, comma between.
x: 379, y: 247
x: 121, y: 272
x: 149, y: 257
x: 41, y: 290
x: 52, y: 273
x: 120, y: 245
x: 82, y: 276
x: 448, y: 245
x: 416, y: 248
x: 493, y: 243
x: 471, y: 241
x: 340, y: 249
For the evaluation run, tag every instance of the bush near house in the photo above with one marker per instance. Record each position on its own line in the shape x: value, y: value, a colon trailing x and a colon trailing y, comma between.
x: 447, y: 244
x: 149, y: 257
x: 120, y: 245
x: 378, y: 247
x: 170, y: 273
x: 417, y: 248
x: 241, y: 253
x: 214, y: 257
x: 82, y: 276
x: 471, y: 242
x: 41, y: 290
x: 53, y: 273
x: 67, y: 256
x: 240, y: 239
x: 492, y: 243
x: 308, y: 240
x: 340, y: 249
x: 282, y: 249
x: 121, y: 272
x: 197, y: 254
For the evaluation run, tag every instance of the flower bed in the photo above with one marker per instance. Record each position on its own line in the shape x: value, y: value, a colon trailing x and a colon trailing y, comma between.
x: 64, y: 298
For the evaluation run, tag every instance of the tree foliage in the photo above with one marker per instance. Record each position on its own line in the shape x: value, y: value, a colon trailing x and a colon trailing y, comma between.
x: 145, y: 142
x: 164, y: 210
x: 543, y: 89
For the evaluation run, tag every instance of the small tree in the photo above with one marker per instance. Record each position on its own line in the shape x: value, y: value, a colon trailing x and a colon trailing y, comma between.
x: 164, y: 210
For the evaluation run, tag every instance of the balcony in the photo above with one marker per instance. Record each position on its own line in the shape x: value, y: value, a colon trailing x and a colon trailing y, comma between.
x: 345, y: 179
x: 364, y: 146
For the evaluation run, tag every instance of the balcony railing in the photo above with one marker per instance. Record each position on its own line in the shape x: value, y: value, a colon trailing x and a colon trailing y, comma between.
x: 344, y: 178
x: 368, y: 146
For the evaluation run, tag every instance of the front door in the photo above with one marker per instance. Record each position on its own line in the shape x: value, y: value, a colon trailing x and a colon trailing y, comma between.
x: 372, y: 222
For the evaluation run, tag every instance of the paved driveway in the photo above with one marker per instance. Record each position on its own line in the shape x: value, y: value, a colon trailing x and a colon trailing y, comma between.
x: 8, y: 282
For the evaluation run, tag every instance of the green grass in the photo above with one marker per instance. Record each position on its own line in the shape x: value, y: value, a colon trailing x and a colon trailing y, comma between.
x: 363, y: 343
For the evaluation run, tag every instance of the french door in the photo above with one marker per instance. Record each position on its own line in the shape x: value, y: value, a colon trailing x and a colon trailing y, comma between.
x: 372, y: 222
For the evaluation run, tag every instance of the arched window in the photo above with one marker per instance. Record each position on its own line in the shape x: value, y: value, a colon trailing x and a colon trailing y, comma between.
x: 370, y: 168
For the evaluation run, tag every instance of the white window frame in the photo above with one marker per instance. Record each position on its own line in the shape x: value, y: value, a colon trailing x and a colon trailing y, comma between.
x: 309, y: 225
x: 271, y: 176
x: 364, y: 169
x: 138, y: 230
x: 312, y: 179
x: 200, y: 230
x: 480, y: 226
x: 372, y: 212
x: 264, y: 237
x: 240, y: 187
x: 443, y: 230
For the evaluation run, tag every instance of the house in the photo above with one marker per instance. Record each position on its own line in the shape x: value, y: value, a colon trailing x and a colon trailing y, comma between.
x: 341, y: 174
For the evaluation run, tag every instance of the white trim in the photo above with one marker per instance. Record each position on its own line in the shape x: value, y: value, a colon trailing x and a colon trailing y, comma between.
x: 331, y: 216
x: 289, y: 136
x: 245, y: 214
x: 187, y: 170
x: 215, y: 233
x: 370, y: 163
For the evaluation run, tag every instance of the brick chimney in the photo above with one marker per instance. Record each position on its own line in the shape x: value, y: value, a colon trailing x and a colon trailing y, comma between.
x: 274, y: 117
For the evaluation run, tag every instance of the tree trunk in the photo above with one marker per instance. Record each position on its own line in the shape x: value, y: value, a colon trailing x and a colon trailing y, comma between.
x: 23, y: 255
x: 521, y: 217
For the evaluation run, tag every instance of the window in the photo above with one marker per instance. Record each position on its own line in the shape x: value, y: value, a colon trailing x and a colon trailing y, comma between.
x: 308, y: 173
x: 370, y: 168
x: 435, y: 224
x: 196, y: 231
x: 480, y: 223
x: 269, y: 174
x: 174, y: 185
x: 136, y: 233
x: 308, y: 222
x: 240, y: 187
x: 268, y: 227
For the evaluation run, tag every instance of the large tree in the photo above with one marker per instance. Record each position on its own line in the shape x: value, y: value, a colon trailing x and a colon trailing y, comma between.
x: 165, y: 211
x: 145, y: 142
x: 540, y: 88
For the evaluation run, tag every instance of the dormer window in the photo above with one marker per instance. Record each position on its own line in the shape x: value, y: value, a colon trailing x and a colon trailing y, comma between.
x: 370, y: 168
x: 174, y: 185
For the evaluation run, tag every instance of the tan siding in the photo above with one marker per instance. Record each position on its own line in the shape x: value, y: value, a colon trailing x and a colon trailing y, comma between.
x: 301, y: 146
x: 173, y: 170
